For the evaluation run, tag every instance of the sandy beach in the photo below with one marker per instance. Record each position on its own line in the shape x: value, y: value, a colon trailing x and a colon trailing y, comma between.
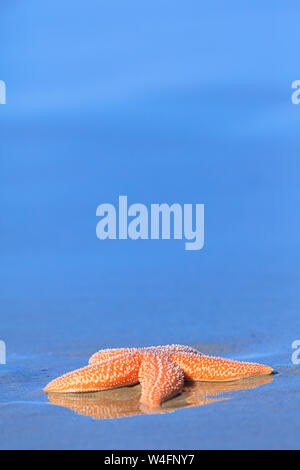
x: 253, y: 413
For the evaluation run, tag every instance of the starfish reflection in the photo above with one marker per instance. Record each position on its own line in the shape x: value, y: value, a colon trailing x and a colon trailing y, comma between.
x: 124, y: 402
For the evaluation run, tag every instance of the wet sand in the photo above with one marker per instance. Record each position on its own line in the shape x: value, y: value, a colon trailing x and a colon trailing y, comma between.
x: 257, y: 412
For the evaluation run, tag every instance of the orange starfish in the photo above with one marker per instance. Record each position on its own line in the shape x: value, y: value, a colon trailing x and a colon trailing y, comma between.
x: 161, y: 371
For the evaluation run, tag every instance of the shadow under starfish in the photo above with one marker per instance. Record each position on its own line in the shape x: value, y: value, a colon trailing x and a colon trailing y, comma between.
x: 124, y: 402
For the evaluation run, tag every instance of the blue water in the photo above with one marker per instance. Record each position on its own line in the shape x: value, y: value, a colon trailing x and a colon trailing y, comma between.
x: 163, y: 102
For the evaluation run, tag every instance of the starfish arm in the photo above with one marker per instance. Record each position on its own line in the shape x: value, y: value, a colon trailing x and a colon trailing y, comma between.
x: 210, y: 368
x: 160, y: 379
x: 105, y: 354
x: 176, y: 348
x: 116, y: 372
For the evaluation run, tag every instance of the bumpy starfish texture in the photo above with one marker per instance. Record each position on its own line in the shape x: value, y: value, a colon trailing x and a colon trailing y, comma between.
x: 161, y: 371
x: 104, y: 354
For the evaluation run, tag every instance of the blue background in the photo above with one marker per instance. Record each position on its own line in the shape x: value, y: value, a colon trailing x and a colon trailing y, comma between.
x: 163, y: 101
